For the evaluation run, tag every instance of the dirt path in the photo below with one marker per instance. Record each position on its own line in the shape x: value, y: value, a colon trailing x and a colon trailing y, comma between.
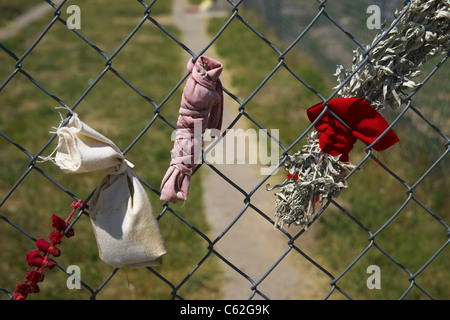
x: 25, y: 19
x: 252, y: 244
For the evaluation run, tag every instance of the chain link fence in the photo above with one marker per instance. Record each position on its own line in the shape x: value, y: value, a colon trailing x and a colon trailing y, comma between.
x: 296, y: 25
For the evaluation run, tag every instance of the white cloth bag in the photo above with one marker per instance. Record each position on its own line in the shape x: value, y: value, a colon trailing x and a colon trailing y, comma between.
x: 125, y: 227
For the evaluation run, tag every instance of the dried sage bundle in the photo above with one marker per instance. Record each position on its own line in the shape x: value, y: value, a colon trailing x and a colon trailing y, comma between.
x: 313, y: 176
x: 422, y: 33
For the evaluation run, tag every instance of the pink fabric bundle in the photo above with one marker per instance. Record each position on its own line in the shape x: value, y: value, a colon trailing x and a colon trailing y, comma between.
x: 201, y: 107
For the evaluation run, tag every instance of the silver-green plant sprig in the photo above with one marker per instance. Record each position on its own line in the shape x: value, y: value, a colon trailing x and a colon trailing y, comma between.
x: 422, y: 33
x: 314, y: 176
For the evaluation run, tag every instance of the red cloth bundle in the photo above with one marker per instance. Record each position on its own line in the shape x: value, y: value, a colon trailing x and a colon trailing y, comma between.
x: 366, y: 124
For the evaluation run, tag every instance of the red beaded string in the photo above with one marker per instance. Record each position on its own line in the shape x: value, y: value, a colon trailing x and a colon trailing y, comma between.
x: 40, y: 257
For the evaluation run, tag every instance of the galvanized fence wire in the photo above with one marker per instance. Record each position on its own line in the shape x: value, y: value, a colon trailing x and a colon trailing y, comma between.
x: 210, y: 244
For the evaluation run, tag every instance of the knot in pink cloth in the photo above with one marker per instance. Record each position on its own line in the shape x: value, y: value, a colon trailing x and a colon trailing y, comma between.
x: 201, y: 109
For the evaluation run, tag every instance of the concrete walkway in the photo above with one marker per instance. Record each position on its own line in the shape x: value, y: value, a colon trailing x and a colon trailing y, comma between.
x: 252, y: 245
x: 25, y: 19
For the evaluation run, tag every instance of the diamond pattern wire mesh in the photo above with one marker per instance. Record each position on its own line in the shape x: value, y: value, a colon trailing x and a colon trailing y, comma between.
x: 17, y: 63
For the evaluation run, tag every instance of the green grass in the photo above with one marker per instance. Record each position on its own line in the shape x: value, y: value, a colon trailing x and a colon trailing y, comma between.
x: 11, y: 9
x: 373, y: 196
x: 66, y: 66
x: 282, y: 102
